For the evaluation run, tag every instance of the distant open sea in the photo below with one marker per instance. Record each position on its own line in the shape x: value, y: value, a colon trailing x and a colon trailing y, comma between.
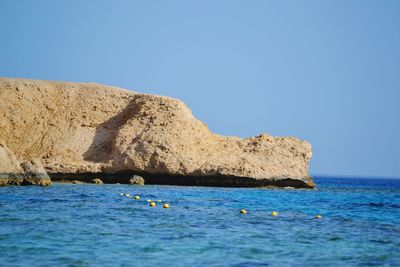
x: 92, y: 225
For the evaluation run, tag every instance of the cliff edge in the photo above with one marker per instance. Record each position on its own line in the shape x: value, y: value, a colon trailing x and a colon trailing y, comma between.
x: 83, y: 129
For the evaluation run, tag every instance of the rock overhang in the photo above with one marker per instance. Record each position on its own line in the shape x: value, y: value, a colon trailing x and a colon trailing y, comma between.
x: 91, y: 128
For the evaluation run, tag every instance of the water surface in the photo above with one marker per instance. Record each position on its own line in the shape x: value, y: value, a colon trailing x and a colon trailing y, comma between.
x: 92, y: 225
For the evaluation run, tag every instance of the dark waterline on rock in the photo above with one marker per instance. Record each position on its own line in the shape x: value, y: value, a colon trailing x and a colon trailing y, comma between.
x: 164, y: 179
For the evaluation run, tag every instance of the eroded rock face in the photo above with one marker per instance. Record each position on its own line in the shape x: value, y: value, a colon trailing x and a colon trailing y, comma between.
x: 34, y: 173
x: 12, y: 172
x: 8, y: 161
x: 97, y: 181
x: 10, y: 169
x: 136, y: 180
x: 90, y: 128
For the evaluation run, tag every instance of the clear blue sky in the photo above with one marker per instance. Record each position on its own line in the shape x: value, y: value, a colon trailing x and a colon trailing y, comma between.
x: 325, y: 71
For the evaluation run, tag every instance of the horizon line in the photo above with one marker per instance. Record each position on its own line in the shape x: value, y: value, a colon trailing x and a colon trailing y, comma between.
x: 314, y: 175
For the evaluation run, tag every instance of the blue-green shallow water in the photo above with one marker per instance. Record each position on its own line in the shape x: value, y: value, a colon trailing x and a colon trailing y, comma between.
x: 92, y: 225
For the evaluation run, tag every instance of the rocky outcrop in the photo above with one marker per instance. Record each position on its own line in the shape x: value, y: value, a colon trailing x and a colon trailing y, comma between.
x: 97, y: 181
x: 136, y: 180
x: 86, y: 128
x: 34, y: 173
x: 12, y: 172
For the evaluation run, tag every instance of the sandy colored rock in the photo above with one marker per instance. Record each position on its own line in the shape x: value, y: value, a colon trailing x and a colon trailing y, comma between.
x: 34, y: 173
x: 90, y: 128
x: 137, y: 180
x: 97, y: 181
x: 8, y: 161
x: 10, y: 169
x: 13, y: 172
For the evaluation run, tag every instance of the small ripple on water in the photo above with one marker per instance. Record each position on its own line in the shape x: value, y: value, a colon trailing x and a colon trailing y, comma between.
x: 93, y: 225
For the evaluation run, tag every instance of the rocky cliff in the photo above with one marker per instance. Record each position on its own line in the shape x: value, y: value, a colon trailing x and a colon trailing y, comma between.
x: 14, y: 172
x: 81, y: 129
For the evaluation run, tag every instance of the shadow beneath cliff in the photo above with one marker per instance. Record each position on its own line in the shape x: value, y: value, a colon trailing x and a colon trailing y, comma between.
x: 182, y: 180
x: 100, y: 150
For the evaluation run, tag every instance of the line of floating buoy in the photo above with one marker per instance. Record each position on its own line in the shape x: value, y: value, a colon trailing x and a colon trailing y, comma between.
x: 275, y: 214
x: 151, y: 202
x: 167, y: 206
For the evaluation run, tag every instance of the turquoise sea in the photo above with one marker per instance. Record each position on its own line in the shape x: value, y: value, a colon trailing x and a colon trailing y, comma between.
x: 92, y: 225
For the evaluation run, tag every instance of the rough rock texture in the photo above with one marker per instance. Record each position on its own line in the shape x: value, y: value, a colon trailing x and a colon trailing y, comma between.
x: 97, y: 181
x: 34, y: 173
x: 8, y: 161
x: 12, y: 172
x: 90, y: 128
x: 137, y: 180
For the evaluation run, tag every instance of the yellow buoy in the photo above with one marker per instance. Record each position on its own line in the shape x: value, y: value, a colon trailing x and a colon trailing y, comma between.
x: 166, y: 206
x: 318, y: 216
x: 274, y: 213
x: 149, y: 200
x: 152, y: 204
x: 159, y: 200
x: 127, y: 195
x: 243, y: 211
x: 121, y: 194
x: 137, y: 197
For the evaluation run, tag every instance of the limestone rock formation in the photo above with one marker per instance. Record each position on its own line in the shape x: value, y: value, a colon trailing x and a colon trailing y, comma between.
x: 136, y: 180
x: 78, y: 128
x: 12, y: 172
x: 8, y: 161
x: 34, y: 173
x: 97, y: 181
